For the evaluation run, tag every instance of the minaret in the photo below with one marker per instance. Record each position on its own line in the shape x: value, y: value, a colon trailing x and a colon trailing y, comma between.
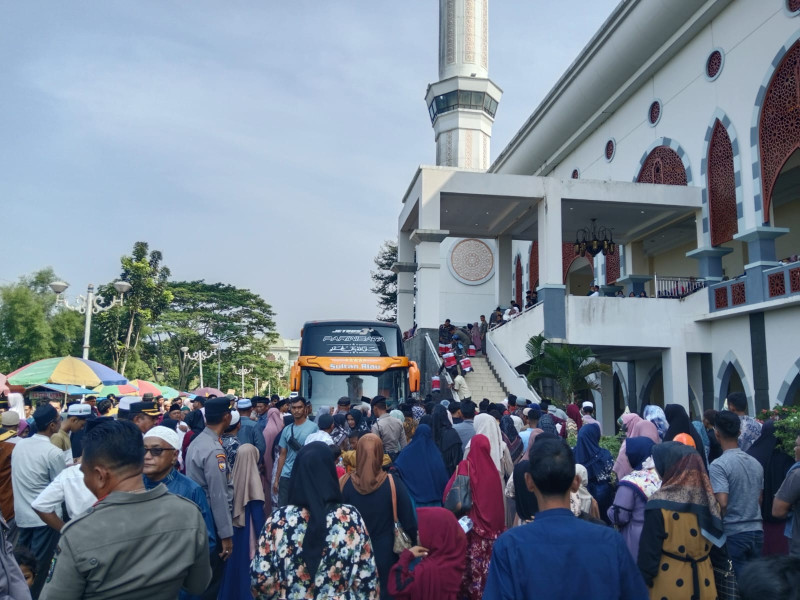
x: 463, y: 103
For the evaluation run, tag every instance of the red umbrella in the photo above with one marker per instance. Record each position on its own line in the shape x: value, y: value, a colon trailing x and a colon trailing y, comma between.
x: 145, y: 387
x: 208, y: 391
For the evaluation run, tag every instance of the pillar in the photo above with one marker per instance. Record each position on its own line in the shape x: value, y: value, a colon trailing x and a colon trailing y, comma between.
x: 676, y: 377
x: 428, y: 278
x: 504, y: 271
x: 605, y: 408
x: 710, y: 262
x: 405, y: 267
x: 761, y: 253
x: 551, y: 290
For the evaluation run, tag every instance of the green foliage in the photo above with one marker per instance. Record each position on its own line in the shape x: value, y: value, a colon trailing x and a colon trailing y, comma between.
x: 385, y: 281
x: 31, y: 328
x: 612, y: 443
x: 787, y: 425
x: 568, y: 366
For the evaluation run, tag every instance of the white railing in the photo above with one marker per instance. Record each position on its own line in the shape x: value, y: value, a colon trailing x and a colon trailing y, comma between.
x: 438, y: 362
x: 514, y: 382
x: 676, y: 287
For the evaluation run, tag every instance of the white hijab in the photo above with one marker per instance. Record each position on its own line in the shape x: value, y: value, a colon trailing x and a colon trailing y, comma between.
x: 16, y: 402
x: 487, y: 425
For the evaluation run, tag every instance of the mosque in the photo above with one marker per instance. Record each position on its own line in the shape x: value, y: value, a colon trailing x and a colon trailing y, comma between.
x: 665, y: 160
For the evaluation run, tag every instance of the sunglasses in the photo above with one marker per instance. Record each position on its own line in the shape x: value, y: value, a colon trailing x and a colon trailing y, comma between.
x: 157, y: 451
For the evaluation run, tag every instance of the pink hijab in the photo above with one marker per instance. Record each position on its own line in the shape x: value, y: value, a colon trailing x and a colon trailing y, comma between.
x: 635, y: 426
x: 271, y: 431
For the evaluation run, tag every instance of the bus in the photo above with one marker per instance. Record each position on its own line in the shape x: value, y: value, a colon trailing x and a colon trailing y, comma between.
x: 356, y: 359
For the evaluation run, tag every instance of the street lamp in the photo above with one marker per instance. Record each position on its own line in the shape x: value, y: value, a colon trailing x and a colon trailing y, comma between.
x: 243, y: 372
x: 255, y: 391
x: 89, y: 305
x: 199, y: 356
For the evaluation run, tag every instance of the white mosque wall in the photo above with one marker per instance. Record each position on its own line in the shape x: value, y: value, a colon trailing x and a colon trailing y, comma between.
x: 783, y: 354
x: 730, y: 344
x: 459, y: 302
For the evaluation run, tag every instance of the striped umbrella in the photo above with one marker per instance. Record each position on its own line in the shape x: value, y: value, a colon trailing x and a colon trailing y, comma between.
x: 67, y: 370
x: 117, y: 390
x: 146, y: 387
x: 169, y: 392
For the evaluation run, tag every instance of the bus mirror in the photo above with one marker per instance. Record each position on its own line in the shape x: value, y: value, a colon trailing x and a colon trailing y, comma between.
x: 413, y: 376
x: 294, y: 377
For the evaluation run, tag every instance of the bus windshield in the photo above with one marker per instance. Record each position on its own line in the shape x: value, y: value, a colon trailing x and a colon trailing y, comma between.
x: 323, y: 388
x: 351, y: 340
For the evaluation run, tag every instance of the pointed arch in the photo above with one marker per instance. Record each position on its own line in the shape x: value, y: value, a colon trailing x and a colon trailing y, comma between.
x: 518, y: 280
x: 790, y: 385
x: 776, y: 116
x: 533, y: 266
x: 655, y: 375
x: 665, y: 161
x: 730, y: 365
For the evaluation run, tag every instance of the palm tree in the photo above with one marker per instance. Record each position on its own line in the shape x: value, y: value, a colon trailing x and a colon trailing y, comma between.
x: 568, y: 366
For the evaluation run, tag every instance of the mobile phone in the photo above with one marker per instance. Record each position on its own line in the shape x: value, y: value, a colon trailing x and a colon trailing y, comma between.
x: 466, y: 523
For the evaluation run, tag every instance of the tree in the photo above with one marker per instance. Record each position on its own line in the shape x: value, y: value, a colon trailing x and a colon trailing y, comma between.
x: 568, y: 366
x: 385, y: 281
x: 121, y: 328
x: 32, y: 327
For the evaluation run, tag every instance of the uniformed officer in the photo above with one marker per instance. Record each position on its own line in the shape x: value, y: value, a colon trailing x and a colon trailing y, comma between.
x: 120, y: 548
x: 144, y: 414
x: 207, y: 465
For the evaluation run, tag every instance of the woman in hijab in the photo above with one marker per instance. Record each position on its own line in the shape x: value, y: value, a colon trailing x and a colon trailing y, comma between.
x: 421, y: 466
x: 397, y: 414
x: 356, y: 421
x: 701, y: 431
x: 599, y: 466
x: 476, y: 336
x: 581, y: 502
x: 316, y: 546
x: 446, y: 439
x: 525, y: 501
x: 434, y: 569
x: 409, y: 422
x: 339, y: 435
x: 574, y: 413
x: 776, y: 463
x: 248, y: 520
x: 635, y: 488
x: 487, y: 425
x: 656, y: 416
x: 512, y: 439
x: 634, y: 426
x: 374, y: 493
x: 272, y: 433
x: 679, y: 422
x: 681, y: 524
x: 487, y: 514
x: 546, y: 424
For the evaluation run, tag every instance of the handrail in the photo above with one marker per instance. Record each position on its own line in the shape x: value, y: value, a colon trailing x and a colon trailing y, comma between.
x: 438, y: 362
x: 677, y: 287
x: 519, y: 379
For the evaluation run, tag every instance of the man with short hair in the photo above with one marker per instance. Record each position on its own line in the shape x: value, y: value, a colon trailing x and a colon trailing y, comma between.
x: 460, y: 386
x: 92, y: 402
x: 483, y: 327
x: 466, y: 429
x: 787, y: 499
x: 144, y: 415
x: 737, y: 480
x: 750, y: 429
x: 73, y: 420
x: 260, y: 406
x: 587, y: 410
x: 343, y: 405
x: 35, y: 462
x: 455, y: 411
x: 388, y: 429
x: 249, y: 431
x: 532, y: 416
x: 207, y: 465
x: 139, y: 556
x: 611, y: 574
x: 161, y: 448
x: 290, y: 442
x: 175, y: 412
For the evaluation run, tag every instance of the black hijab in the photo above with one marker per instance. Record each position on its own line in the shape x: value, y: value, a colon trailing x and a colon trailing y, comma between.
x: 679, y: 422
x: 525, y: 500
x: 358, y: 417
x: 313, y: 485
x: 775, y: 463
x: 444, y: 436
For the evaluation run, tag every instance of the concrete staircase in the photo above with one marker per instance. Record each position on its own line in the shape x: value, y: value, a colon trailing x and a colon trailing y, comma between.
x: 483, y: 383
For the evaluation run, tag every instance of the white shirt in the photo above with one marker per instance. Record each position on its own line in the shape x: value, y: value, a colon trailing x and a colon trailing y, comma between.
x: 35, y: 462
x: 460, y: 386
x: 67, y: 487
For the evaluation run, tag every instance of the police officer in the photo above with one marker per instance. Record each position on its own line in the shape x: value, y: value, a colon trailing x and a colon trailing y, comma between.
x: 138, y: 556
x: 144, y: 414
x: 207, y: 465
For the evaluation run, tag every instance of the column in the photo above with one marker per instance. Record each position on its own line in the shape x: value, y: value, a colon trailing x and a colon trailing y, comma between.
x: 636, y: 268
x: 504, y: 271
x: 405, y: 267
x: 605, y: 408
x: 552, y: 291
x: 676, y: 377
x: 428, y: 278
x: 761, y: 253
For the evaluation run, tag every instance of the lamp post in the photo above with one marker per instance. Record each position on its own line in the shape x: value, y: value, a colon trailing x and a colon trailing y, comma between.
x: 89, y: 305
x: 243, y: 371
x: 255, y: 390
x: 199, y: 356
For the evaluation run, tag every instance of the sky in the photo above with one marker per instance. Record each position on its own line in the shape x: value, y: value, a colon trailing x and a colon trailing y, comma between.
x: 262, y: 144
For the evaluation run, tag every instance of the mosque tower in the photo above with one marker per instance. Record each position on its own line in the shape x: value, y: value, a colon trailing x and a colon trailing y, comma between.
x: 463, y: 103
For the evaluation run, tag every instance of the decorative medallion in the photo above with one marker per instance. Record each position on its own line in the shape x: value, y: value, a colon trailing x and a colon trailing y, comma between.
x: 793, y: 6
x: 575, y: 174
x: 714, y: 64
x: 654, y: 113
x: 471, y: 262
x: 611, y: 149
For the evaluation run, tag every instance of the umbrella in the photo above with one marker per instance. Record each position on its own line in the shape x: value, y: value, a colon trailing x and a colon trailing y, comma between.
x: 67, y: 390
x: 169, y: 392
x: 145, y: 387
x: 4, y: 389
x: 66, y: 370
x: 117, y: 390
x: 207, y: 391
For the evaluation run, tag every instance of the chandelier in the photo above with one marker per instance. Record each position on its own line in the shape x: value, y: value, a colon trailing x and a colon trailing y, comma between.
x: 594, y: 240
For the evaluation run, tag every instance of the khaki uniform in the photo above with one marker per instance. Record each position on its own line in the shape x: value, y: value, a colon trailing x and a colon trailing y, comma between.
x: 131, y: 546
x: 207, y: 465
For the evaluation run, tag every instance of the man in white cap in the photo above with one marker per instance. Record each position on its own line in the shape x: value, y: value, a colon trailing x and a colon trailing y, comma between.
x: 249, y: 430
x: 73, y: 420
x: 587, y: 408
x: 161, y: 448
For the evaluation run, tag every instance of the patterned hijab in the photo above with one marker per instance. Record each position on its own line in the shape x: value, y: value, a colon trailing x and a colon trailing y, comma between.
x: 686, y: 488
x: 655, y: 414
x: 487, y: 425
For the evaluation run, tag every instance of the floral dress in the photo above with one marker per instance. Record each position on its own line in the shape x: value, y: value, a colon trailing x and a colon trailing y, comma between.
x: 347, y: 570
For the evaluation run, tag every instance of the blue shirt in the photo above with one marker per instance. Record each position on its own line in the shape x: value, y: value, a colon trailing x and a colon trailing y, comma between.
x: 582, y: 560
x: 301, y: 432
x: 182, y: 486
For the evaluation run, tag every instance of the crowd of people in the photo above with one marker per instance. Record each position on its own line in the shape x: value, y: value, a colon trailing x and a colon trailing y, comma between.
x: 432, y: 499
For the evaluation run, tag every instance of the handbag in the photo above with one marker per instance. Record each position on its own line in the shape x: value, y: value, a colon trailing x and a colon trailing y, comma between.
x: 459, y: 498
x: 725, y: 580
x: 401, y: 539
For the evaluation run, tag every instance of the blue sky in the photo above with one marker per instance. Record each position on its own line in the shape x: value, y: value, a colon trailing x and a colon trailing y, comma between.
x: 262, y: 144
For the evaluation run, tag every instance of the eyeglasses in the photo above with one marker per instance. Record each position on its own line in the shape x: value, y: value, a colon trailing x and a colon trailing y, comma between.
x: 157, y: 451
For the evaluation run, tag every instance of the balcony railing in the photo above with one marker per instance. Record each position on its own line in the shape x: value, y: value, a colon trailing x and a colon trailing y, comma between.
x: 778, y: 282
x: 676, y: 287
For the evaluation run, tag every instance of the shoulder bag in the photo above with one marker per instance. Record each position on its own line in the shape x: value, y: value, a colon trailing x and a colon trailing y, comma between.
x: 724, y: 575
x: 459, y: 498
x: 401, y: 539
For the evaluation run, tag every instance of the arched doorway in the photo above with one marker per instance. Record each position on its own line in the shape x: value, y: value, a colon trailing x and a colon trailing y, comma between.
x: 653, y: 392
x: 579, y: 276
x: 785, y: 207
x: 731, y: 382
x: 789, y: 393
x: 518, y: 280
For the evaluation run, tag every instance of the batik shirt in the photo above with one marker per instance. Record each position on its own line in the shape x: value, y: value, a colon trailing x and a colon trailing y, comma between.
x: 749, y: 432
x: 346, y: 571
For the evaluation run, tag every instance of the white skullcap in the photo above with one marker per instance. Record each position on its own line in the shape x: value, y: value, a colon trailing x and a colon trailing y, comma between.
x: 166, y: 434
x: 234, y: 418
x: 587, y: 404
x: 319, y: 436
x: 126, y: 401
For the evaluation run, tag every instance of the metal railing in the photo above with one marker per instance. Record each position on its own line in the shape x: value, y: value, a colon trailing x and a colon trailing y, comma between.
x: 438, y: 362
x: 676, y: 287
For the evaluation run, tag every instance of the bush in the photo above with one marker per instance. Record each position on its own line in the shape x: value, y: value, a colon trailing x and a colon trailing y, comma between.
x: 787, y: 425
x: 612, y: 443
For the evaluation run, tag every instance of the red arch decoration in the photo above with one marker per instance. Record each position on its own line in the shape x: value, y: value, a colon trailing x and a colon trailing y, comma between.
x: 779, y: 124
x: 663, y: 165
x: 568, y: 257
x: 612, y: 267
x: 533, y: 267
x: 721, y: 183
x: 518, y: 281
